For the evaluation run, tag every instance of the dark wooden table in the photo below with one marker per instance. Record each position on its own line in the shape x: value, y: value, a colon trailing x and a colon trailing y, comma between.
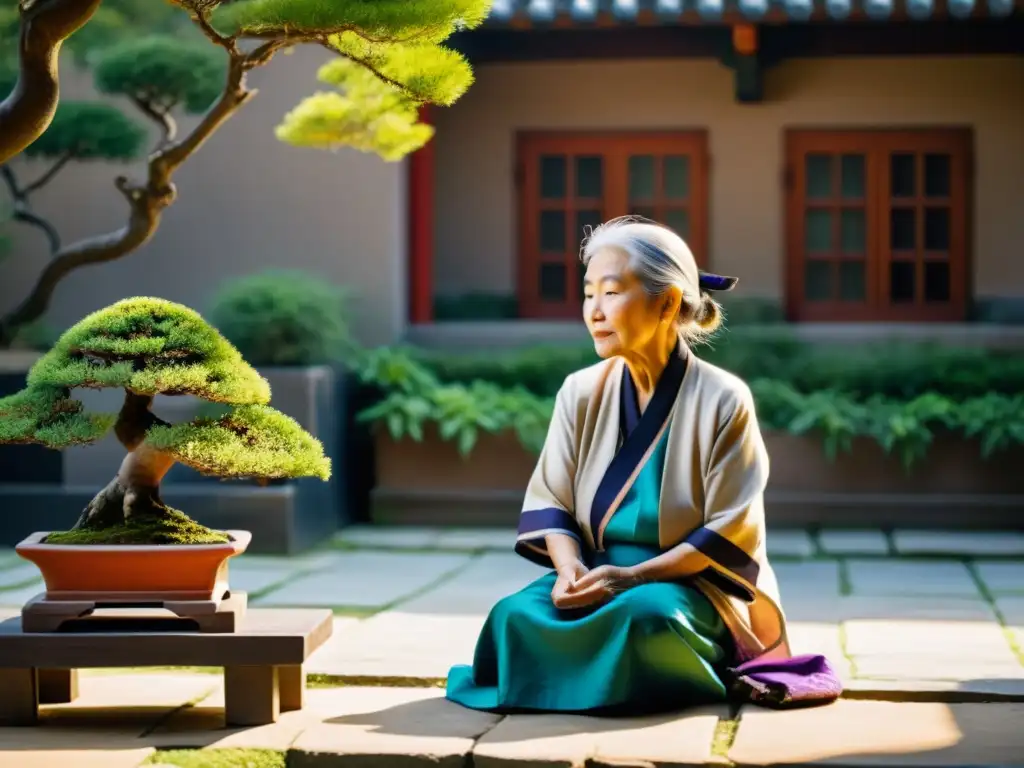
x: 263, y: 662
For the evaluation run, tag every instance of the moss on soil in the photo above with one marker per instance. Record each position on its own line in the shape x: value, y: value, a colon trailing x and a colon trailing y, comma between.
x: 171, y: 527
x: 219, y: 758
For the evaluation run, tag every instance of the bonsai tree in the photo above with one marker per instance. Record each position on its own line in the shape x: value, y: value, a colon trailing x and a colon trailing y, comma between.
x: 150, y: 347
x: 391, y: 61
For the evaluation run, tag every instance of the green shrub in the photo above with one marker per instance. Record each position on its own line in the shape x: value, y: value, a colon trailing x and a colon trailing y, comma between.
x: 415, y: 398
x: 283, y: 318
x: 909, y: 370
x: 898, y: 371
x: 540, y: 370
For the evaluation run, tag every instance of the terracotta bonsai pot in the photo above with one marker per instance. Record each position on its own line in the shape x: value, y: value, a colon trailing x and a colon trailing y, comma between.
x: 134, y: 573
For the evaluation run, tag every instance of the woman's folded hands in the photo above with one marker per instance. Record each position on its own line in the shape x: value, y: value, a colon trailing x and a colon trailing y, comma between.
x: 578, y: 587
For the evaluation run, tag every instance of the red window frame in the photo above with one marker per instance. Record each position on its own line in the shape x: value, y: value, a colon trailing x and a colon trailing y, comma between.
x: 615, y: 150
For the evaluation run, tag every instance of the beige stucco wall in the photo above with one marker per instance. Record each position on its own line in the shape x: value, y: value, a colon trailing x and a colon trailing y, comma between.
x: 246, y: 202
x: 476, y: 237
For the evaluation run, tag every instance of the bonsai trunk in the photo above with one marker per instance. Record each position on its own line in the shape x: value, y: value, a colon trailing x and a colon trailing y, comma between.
x: 135, y: 490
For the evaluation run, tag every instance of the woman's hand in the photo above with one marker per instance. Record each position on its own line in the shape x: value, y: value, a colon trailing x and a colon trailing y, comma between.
x: 598, y: 585
x: 566, y: 582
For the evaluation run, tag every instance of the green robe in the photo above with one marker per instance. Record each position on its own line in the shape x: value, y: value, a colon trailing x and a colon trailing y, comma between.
x: 654, y: 647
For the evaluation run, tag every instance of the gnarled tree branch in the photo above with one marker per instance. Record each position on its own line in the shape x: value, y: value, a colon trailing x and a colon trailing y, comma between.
x: 21, y: 207
x: 161, y: 116
x: 146, y: 202
x: 28, y: 111
x: 47, y: 177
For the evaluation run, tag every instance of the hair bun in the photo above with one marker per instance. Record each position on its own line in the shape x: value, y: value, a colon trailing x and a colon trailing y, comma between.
x: 709, y: 314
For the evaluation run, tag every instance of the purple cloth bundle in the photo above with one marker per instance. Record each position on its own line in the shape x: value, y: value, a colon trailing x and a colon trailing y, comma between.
x: 798, y: 681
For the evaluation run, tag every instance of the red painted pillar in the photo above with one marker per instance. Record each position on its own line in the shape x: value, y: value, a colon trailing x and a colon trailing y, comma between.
x: 421, y: 230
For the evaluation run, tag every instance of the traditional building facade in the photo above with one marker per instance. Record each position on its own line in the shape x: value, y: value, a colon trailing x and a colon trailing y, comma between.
x: 854, y: 162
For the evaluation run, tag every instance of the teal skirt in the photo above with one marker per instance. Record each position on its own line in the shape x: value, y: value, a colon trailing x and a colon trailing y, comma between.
x: 655, y: 647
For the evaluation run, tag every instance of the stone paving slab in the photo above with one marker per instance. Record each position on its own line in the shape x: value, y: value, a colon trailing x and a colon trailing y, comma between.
x: 896, y: 577
x: 404, y: 537
x: 790, y: 544
x: 366, y: 579
x: 960, y: 543
x: 255, y: 580
x: 1012, y: 609
x: 486, y: 580
x: 390, y: 724
x: 157, y: 692
x: 396, y: 644
x: 202, y: 726
x: 914, y: 667
x: 1002, y: 577
x: 877, y: 733
x: 907, y: 607
x: 341, y: 726
x: 499, y: 539
x: 15, y: 598
x: 314, y: 559
x: 853, y: 542
x: 810, y: 579
x: 75, y: 747
x: 567, y: 741
x: 101, y: 729
x: 986, y: 640
x: 18, y: 574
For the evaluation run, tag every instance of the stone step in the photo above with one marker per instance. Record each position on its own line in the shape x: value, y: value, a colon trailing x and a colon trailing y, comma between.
x: 410, y: 727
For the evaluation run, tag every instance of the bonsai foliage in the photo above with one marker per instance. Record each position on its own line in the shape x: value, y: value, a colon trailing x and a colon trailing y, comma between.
x: 150, y: 347
x: 390, y: 62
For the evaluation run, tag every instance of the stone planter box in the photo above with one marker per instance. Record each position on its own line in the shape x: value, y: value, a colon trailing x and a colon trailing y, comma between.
x: 953, y: 487
x: 284, y: 517
x: 428, y: 483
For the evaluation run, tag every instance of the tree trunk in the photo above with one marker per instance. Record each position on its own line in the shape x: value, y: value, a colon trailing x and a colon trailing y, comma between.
x: 28, y: 111
x: 135, y: 490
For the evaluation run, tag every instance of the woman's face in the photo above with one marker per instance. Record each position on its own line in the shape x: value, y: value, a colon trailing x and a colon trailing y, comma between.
x: 620, y: 315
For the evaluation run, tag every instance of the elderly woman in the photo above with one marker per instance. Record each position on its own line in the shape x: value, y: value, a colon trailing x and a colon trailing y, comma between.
x: 646, y: 503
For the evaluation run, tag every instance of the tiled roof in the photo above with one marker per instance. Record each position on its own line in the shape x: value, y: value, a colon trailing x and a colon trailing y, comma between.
x: 583, y: 11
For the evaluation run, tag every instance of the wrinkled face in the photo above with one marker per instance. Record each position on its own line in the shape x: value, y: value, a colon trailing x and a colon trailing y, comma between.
x: 620, y: 315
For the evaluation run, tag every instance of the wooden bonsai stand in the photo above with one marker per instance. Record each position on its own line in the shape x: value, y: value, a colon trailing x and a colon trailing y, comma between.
x: 45, y: 614
x: 262, y: 653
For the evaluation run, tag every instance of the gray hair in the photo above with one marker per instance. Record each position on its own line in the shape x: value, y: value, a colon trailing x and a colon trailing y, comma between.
x: 660, y: 259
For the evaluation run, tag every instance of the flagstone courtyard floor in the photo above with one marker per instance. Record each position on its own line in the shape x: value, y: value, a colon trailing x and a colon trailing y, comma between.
x: 926, y: 627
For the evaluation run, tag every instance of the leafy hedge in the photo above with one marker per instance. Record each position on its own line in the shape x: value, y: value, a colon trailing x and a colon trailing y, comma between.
x: 897, y: 371
x: 416, y: 395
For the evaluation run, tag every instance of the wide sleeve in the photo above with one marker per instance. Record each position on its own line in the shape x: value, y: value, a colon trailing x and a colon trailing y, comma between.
x: 549, y: 502
x: 734, y: 521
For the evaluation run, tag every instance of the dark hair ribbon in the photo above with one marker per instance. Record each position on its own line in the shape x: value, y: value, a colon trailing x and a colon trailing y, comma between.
x: 710, y: 282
